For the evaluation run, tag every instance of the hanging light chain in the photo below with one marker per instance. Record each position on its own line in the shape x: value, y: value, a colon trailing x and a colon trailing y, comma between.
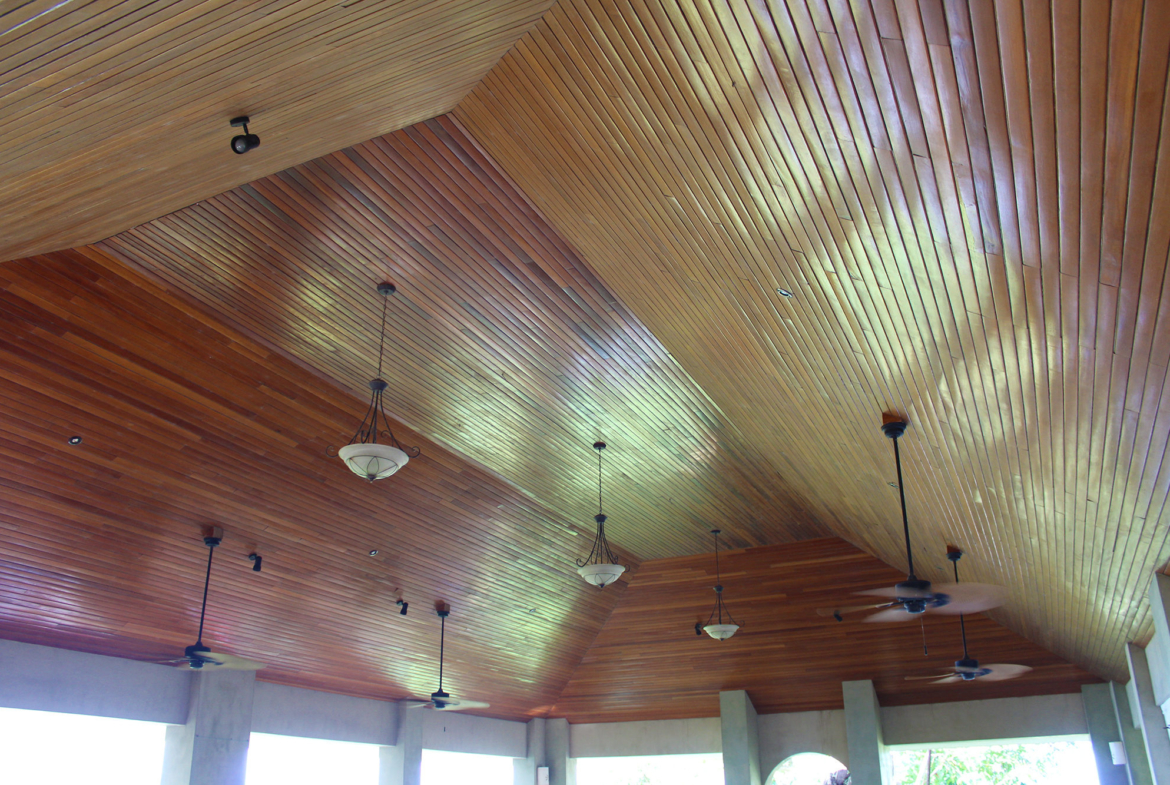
x: 719, y: 608
x: 600, y: 553
x: 382, y: 338
x: 370, y: 428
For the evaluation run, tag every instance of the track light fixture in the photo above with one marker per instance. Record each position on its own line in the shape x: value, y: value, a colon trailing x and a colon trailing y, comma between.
x: 245, y: 141
x: 256, y: 559
x: 719, y: 630
x: 402, y: 606
x: 364, y: 456
x: 600, y: 568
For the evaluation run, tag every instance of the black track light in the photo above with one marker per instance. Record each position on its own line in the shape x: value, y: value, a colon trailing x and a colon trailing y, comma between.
x: 402, y: 606
x: 245, y: 141
x: 256, y: 560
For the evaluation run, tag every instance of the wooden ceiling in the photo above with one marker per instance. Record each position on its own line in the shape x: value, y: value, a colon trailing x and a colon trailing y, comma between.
x: 113, y: 113
x: 969, y: 201
x: 504, y: 346
x: 186, y: 423
x: 647, y: 663
x: 966, y: 198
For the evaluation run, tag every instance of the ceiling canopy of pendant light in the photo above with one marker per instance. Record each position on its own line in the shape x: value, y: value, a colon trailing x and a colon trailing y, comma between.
x: 717, y: 626
x: 365, y: 455
x: 600, y: 568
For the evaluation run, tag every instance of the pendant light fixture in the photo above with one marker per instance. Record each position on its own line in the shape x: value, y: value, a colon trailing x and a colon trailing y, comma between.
x: 719, y: 630
x: 600, y: 568
x: 365, y: 455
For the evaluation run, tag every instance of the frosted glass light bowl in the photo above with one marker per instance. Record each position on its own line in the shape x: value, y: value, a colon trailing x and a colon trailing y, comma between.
x: 601, y: 575
x: 721, y: 632
x: 373, y: 461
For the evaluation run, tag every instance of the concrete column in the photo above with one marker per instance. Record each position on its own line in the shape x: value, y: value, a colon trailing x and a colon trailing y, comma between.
x: 1101, y: 718
x: 863, y: 733
x: 402, y: 763
x: 562, y: 769
x: 212, y: 748
x: 525, y: 768
x: 1136, y: 761
x: 1147, y: 715
x: 741, y: 739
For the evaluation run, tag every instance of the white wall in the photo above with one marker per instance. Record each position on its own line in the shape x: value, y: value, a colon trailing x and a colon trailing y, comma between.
x: 455, y: 732
x: 47, y: 679
x: 656, y: 737
x: 785, y: 735
x: 1001, y: 719
x: 291, y: 711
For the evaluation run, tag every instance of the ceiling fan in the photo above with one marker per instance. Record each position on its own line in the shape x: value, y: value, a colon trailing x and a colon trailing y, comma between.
x: 914, y: 596
x: 197, y: 656
x: 442, y: 701
x: 968, y: 669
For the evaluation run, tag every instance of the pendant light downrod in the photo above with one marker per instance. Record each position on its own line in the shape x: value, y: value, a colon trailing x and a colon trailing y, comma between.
x: 894, y: 431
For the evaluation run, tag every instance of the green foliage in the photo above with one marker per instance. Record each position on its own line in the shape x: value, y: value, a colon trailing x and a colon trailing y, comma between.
x: 1024, y: 764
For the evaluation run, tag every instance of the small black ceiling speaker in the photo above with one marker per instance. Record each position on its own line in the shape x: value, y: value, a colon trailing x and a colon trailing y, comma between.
x: 245, y: 141
x: 402, y: 606
x: 256, y: 560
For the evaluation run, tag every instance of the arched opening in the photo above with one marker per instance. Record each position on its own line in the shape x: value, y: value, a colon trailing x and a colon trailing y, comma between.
x: 809, y: 768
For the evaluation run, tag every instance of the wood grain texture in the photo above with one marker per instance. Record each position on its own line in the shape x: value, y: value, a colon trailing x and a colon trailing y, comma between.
x: 648, y: 664
x: 115, y: 112
x: 503, y: 345
x: 972, y: 209
x: 186, y: 424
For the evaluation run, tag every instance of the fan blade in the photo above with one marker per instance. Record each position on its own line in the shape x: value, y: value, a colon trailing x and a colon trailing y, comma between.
x: 896, y: 613
x: 850, y: 609
x: 946, y: 675
x: 952, y: 679
x: 412, y: 704
x: 217, y: 661
x: 894, y: 591
x: 1003, y: 672
x: 454, y: 705
x: 969, y: 597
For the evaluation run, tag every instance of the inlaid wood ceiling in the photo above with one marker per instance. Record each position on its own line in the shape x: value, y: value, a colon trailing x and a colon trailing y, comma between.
x: 187, y: 423
x: 503, y: 344
x: 969, y: 201
x: 113, y: 113
x: 965, y: 197
x: 647, y: 663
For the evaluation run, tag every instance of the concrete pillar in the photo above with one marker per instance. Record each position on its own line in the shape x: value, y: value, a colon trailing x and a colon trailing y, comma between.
x: 863, y: 733
x: 741, y: 739
x: 1101, y: 718
x: 1136, y: 762
x: 212, y: 748
x: 1147, y: 715
x: 402, y: 763
x: 525, y: 769
x: 562, y: 769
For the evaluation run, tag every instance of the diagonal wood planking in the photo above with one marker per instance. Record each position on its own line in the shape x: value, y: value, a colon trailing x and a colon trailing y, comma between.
x: 647, y: 663
x: 114, y: 113
x: 967, y: 197
x: 187, y: 423
x: 503, y: 344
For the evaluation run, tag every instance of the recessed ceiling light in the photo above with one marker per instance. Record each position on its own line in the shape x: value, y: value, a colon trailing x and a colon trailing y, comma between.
x: 783, y: 292
x: 75, y: 440
x: 374, y: 552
